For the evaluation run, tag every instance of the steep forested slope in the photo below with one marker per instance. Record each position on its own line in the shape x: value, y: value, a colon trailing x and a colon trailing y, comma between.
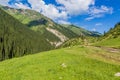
x: 18, y: 40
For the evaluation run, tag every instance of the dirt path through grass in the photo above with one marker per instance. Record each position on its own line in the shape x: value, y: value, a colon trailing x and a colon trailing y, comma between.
x: 110, y: 49
x: 107, y: 54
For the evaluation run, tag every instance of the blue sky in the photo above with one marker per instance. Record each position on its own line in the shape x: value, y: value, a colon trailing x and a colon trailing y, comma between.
x: 95, y: 15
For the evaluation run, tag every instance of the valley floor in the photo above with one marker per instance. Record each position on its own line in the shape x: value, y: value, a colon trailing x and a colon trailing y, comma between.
x: 72, y: 63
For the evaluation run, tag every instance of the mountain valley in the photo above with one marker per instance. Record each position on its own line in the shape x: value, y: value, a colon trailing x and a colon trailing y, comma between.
x: 34, y: 47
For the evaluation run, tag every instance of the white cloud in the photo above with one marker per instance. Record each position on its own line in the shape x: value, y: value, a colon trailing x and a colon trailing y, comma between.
x: 98, y: 24
x: 21, y: 5
x: 4, y: 2
x: 94, y: 29
x: 65, y: 10
x: 102, y: 9
x: 63, y: 22
x: 93, y: 17
x: 97, y: 12
x: 48, y: 10
x: 75, y: 7
x: 37, y: 4
x: 61, y: 13
x: 52, y: 12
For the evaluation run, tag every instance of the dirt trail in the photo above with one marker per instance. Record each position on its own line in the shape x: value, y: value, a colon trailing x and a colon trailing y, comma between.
x: 110, y: 49
x: 112, y: 54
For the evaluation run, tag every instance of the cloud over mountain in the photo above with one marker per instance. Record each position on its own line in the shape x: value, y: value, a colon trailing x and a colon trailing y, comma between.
x: 61, y: 13
x: 4, y: 2
x: 66, y: 9
x: 63, y: 9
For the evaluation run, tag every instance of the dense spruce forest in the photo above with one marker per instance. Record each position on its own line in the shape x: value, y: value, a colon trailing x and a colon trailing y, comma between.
x: 18, y: 40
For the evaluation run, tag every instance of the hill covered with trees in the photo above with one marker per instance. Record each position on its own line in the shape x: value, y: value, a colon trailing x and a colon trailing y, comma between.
x: 17, y: 39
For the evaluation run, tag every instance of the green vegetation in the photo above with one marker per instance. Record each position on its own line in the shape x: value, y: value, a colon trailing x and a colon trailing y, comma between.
x: 32, y: 32
x: 73, y: 42
x: 17, y: 40
x: 77, y: 30
x: 70, y: 34
x: 81, y: 31
x: 115, y: 43
x: 38, y: 22
x: 113, y: 32
x: 111, y: 38
x: 80, y: 41
x: 75, y: 63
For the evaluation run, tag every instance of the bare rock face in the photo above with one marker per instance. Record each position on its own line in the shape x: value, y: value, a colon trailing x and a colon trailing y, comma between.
x: 59, y: 35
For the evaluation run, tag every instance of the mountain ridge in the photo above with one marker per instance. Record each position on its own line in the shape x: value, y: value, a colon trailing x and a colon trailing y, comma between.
x: 17, y: 39
x: 41, y: 23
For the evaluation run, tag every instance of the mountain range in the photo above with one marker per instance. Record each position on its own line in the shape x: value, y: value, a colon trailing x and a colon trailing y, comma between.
x: 28, y: 31
x: 64, y: 51
x: 55, y: 33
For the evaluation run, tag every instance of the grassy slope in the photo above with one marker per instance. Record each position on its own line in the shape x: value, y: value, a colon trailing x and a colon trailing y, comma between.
x: 81, y: 31
x: 73, y: 42
x: 109, y: 43
x: 111, y: 38
x: 75, y: 63
x: 113, y: 32
x: 77, y: 30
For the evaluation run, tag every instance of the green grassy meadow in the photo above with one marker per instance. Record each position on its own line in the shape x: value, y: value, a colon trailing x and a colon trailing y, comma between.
x: 115, y: 43
x: 72, y: 63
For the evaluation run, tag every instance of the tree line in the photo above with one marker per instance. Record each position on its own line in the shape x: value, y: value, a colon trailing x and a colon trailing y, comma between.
x: 17, y: 39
